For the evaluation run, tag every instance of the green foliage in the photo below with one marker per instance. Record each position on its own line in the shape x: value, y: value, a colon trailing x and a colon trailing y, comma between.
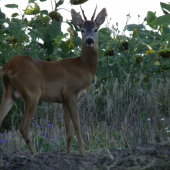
x: 32, y: 11
x: 77, y: 2
x: 11, y: 6
x: 44, y: 144
x: 118, y: 54
x: 165, y: 53
x: 2, y: 15
x: 136, y: 55
x: 15, y: 14
x: 162, y: 20
x: 165, y: 7
x: 56, y: 16
x: 52, y: 31
x: 60, y: 2
x: 151, y: 16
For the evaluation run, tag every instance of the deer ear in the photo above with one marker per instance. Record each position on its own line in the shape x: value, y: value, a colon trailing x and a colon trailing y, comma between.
x: 76, y: 18
x: 101, y: 17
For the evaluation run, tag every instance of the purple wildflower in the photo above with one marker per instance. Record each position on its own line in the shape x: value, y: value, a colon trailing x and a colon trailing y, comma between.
x: 49, y: 125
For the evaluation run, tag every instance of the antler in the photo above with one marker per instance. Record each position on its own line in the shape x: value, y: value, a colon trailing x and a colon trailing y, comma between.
x: 92, y: 18
x: 83, y: 13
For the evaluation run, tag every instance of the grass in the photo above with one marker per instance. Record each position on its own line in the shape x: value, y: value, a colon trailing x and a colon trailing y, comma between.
x: 123, y: 116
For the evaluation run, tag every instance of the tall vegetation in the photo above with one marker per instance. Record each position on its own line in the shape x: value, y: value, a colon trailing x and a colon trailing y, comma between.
x: 129, y: 98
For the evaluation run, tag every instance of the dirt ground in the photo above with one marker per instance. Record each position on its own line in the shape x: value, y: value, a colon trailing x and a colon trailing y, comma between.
x: 142, y: 157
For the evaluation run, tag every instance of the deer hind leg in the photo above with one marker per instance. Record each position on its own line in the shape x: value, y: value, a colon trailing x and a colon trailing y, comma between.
x: 69, y: 128
x: 74, y: 115
x: 30, y: 107
x: 7, y: 101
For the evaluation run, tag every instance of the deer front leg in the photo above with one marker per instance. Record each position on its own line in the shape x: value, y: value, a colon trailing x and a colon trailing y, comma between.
x: 68, y: 127
x: 74, y: 115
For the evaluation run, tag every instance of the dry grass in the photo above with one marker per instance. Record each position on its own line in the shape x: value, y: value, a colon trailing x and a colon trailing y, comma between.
x: 127, y: 115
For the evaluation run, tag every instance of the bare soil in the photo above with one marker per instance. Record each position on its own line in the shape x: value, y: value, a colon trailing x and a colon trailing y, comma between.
x: 142, y: 157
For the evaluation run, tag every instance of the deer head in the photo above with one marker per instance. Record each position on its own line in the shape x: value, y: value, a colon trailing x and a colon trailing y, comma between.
x: 89, y: 29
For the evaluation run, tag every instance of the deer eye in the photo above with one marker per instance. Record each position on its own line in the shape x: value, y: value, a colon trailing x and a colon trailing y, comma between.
x: 82, y: 31
x: 95, y: 30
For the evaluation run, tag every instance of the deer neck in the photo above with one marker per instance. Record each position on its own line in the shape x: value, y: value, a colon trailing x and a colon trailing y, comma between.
x: 89, y: 57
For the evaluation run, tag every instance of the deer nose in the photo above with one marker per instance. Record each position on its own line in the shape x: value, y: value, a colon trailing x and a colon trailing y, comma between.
x: 89, y: 41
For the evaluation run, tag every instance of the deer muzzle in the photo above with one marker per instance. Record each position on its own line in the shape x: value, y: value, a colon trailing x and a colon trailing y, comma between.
x: 89, y: 41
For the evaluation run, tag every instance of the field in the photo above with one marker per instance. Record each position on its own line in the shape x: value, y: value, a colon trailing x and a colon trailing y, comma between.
x: 124, y: 118
x: 133, y: 132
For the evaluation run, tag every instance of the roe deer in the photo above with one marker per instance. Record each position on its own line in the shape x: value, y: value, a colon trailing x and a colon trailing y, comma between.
x: 64, y: 81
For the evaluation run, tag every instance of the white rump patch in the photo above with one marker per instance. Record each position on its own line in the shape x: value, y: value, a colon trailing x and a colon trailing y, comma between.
x: 81, y: 94
x: 16, y: 94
